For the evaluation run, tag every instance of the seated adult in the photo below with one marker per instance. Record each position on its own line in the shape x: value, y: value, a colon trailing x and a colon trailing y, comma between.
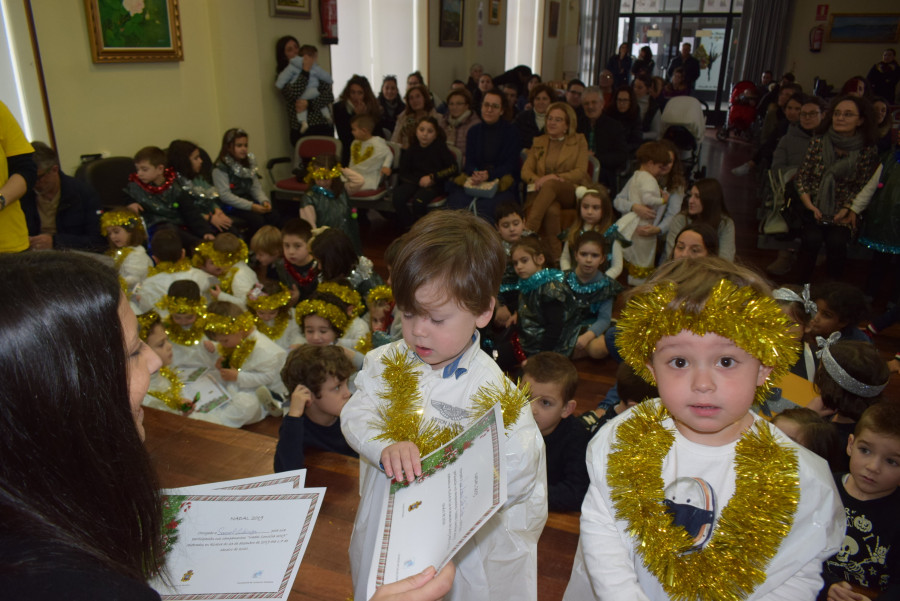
x: 391, y: 105
x: 648, y: 107
x: 556, y: 164
x: 530, y: 123
x: 492, y: 153
x: 792, y: 146
x: 763, y: 154
x: 87, y: 524
x: 511, y: 91
x: 459, y: 119
x: 706, y: 204
x: 625, y: 110
x: 418, y: 104
x: 678, y: 85
x: 61, y: 211
x: 605, y: 137
x: 357, y: 98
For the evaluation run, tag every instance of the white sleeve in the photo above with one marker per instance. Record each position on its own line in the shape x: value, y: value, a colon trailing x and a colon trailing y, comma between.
x: 565, y: 261
x: 604, y: 563
x: 865, y: 195
x: 244, y: 281
x: 361, y: 410
x: 135, y: 266
x: 617, y: 263
x: 621, y: 201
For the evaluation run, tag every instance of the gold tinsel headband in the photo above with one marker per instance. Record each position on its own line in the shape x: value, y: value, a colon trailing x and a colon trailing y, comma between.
x: 313, y: 172
x: 345, y: 293
x: 178, y: 304
x: 327, y: 311
x: 271, y: 302
x: 222, y: 324
x: 205, y: 250
x: 751, y: 320
x: 146, y: 321
x: 124, y: 219
x: 380, y: 294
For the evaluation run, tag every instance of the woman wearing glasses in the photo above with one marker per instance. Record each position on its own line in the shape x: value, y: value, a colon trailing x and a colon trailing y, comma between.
x: 836, y: 181
x: 557, y: 162
x: 492, y: 153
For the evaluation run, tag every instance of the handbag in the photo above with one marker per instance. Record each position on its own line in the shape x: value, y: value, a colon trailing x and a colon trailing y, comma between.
x: 793, y: 209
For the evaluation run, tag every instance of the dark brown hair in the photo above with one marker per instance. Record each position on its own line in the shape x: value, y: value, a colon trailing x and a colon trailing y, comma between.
x: 862, y: 361
x: 152, y: 154
x: 816, y: 434
x: 457, y: 252
x: 312, y: 365
x: 548, y: 367
x: 881, y: 418
x: 334, y: 251
x: 712, y: 197
x: 632, y: 387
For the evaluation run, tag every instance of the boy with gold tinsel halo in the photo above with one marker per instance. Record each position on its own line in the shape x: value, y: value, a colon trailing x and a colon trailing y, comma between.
x: 415, y: 394
x: 692, y: 496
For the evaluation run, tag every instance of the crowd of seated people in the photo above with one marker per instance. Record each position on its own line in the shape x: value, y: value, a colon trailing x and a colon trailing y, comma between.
x: 577, y: 187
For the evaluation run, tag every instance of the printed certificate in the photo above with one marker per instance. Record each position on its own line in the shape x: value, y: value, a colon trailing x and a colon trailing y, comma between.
x: 245, y: 543
x: 206, y: 392
x: 425, y: 523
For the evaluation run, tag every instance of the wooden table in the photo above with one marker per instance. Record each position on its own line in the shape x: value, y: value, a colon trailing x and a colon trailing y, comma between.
x: 186, y: 452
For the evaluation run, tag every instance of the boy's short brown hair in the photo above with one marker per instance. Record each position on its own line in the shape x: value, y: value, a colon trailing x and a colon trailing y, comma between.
x: 223, y: 308
x: 152, y: 154
x: 632, y: 387
x: 297, y: 227
x: 267, y: 239
x: 548, y: 367
x: 881, y: 418
x: 226, y: 242
x: 393, y: 250
x: 166, y: 245
x: 311, y: 365
x: 652, y: 151
x: 455, y: 250
x: 364, y: 121
x: 306, y: 49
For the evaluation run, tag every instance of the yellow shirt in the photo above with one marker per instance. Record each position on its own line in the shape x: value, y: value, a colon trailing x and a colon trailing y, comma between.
x: 13, y: 231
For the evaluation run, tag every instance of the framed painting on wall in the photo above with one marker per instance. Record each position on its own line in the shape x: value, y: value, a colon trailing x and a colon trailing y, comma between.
x: 881, y: 28
x: 134, y: 31
x: 494, y: 12
x: 451, y: 25
x: 298, y: 9
x: 553, y: 21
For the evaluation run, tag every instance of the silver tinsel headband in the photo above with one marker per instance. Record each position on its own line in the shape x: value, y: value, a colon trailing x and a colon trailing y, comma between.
x: 788, y: 295
x: 839, y: 374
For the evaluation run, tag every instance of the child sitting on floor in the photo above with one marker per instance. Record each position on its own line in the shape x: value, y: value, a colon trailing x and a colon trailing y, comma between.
x: 444, y: 280
x: 692, y: 495
x: 225, y: 258
x: 126, y: 237
x: 339, y: 262
x: 171, y: 265
x: 808, y: 428
x: 248, y: 361
x: 266, y: 248
x: 186, y: 311
x: 553, y: 380
x: 316, y: 377
x: 632, y: 389
x: 298, y: 269
x: 594, y: 213
x: 868, y: 564
x: 271, y: 308
x: 542, y: 300
x: 840, y: 308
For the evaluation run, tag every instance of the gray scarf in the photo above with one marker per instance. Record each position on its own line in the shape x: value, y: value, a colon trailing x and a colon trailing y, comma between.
x: 836, y: 167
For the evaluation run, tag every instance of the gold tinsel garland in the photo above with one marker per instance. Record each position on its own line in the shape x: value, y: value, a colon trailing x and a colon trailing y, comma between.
x: 235, y: 357
x: 181, y: 305
x: 222, y: 324
x: 123, y: 219
x: 748, y: 532
x: 314, y: 172
x: 172, y: 397
x: 345, y: 293
x: 146, y: 321
x: 330, y: 313
x: 226, y: 279
x: 638, y: 272
x: 357, y: 156
x: 119, y: 255
x: 271, y: 302
x: 182, y: 264
x: 206, y: 250
x: 364, y: 344
x: 190, y: 337
x: 754, y: 322
x: 276, y: 330
x: 401, y: 415
x: 379, y: 294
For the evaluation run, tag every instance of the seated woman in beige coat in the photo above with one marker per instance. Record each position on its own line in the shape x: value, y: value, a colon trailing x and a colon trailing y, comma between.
x: 556, y: 164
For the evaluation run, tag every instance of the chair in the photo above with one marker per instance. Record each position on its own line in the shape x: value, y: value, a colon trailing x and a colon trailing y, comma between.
x: 291, y: 188
x: 377, y: 198
x: 108, y: 177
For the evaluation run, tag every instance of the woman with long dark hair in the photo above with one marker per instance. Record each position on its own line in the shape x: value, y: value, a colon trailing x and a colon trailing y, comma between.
x: 357, y: 98
x: 836, y: 181
x: 79, y: 508
x: 706, y: 204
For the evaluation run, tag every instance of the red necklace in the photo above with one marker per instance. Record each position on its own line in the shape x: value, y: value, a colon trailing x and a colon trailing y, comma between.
x: 310, y: 277
x: 150, y: 188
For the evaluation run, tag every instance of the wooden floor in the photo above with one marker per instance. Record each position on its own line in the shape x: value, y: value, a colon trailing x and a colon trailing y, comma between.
x: 557, y: 545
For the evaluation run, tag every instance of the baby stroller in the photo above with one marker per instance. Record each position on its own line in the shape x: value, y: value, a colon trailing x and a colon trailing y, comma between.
x: 683, y: 122
x: 741, y: 110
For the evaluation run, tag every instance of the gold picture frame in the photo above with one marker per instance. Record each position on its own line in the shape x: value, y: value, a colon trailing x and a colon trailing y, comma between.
x: 296, y: 9
x: 134, y: 31
x: 495, y: 9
